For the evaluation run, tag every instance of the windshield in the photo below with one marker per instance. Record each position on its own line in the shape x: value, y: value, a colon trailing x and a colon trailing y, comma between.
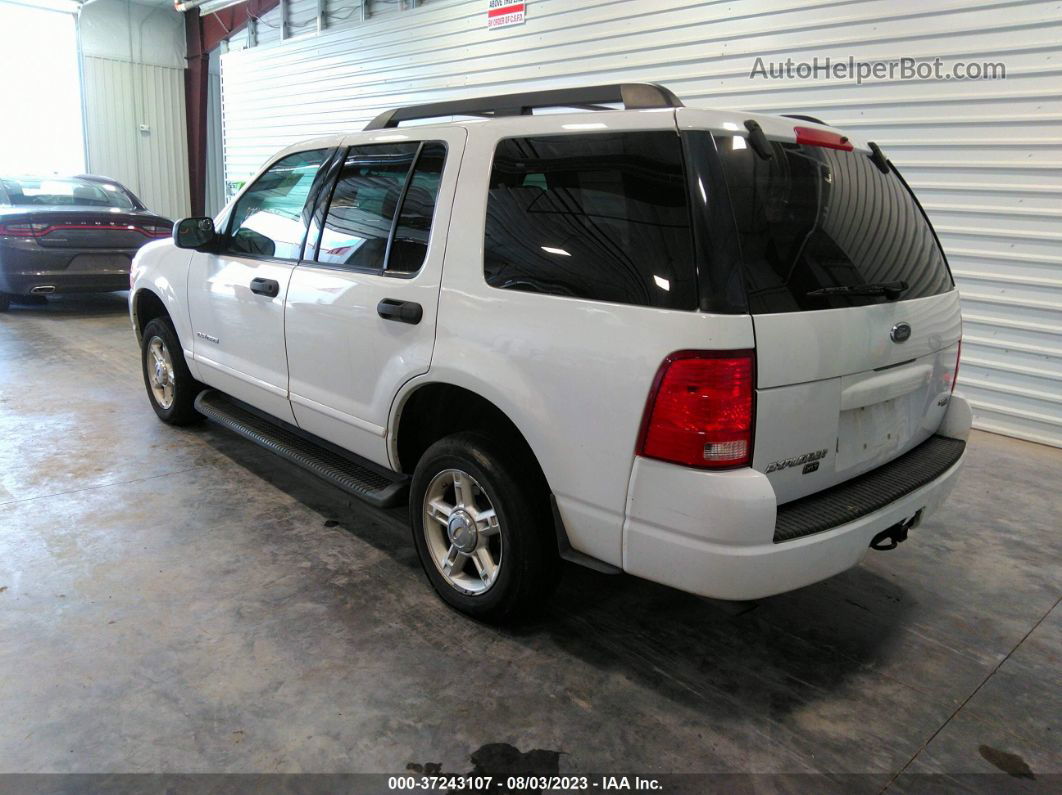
x: 63, y: 191
x: 812, y: 218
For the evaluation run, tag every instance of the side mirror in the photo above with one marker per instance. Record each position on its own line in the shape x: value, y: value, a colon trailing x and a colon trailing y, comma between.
x: 193, y: 232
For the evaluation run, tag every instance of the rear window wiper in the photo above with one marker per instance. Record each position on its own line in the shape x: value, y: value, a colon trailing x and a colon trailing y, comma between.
x: 891, y: 290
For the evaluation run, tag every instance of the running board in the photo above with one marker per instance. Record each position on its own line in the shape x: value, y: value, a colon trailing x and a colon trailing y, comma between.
x: 346, y: 471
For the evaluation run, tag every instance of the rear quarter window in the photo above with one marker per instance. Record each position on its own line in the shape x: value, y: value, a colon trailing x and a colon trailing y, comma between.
x: 602, y: 217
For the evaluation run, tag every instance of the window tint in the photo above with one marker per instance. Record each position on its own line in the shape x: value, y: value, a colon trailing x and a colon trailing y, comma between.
x: 270, y: 218
x: 594, y: 216
x: 812, y: 217
x: 363, y: 205
x: 418, y: 206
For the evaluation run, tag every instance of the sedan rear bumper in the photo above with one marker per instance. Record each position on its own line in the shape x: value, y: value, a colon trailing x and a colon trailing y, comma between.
x: 26, y: 268
x: 44, y: 283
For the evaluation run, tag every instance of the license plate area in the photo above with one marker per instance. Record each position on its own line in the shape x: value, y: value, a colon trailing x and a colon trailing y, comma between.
x: 872, y: 433
x: 99, y: 263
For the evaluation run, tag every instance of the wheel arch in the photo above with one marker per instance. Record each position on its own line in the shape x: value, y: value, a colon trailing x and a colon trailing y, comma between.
x: 158, y: 298
x: 146, y: 306
x: 426, y: 411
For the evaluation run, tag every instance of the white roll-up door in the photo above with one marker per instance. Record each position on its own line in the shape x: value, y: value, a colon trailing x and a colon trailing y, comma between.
x: 41, y: 127
x: 984, y: 156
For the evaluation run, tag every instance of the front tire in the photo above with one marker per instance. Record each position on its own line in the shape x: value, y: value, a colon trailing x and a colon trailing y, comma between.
x: 5, y: 302
x: 170, y: 386
x: 482, y: 528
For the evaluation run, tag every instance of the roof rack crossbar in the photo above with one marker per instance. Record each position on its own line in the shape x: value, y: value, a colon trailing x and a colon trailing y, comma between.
x: 633, y: 96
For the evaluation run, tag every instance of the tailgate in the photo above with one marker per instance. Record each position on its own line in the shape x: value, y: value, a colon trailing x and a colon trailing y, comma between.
x: 855, y: 312
x: 823, y: 416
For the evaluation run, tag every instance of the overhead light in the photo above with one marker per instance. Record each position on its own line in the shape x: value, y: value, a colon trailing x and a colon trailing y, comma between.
x: 662, y: 283
x: 559, y: 251
x: 739, y: 142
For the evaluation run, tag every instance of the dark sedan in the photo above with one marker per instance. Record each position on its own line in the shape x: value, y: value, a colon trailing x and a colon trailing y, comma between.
x: 70, y: 235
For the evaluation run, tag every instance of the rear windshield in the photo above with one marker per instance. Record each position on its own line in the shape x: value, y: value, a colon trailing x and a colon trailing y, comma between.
x: 62, y: 192
x: 811, y: 218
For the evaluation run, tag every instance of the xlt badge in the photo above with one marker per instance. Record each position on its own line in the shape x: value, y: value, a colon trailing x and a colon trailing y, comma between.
x: 796, y: 461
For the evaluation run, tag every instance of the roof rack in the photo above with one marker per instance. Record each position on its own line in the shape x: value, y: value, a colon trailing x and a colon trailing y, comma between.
x: 634, y: 96
x: 802, y: 117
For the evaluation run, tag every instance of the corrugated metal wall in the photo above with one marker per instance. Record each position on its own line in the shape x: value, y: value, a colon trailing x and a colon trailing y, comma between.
x: 119, y: 97
x: 984, y: 156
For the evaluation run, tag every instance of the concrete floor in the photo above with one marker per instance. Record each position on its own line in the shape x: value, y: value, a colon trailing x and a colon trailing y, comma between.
x: 180, y: 601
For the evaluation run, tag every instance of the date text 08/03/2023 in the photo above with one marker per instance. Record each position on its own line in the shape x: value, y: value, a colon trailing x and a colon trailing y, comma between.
x: 524, y: 783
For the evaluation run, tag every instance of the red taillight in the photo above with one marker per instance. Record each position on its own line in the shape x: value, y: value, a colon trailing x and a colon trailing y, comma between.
x: 40, y: 230
x: 23, y: 230
x: 955, y: 374
x: 157, y: 231
x: 699, y: 412
x: 809, y: 136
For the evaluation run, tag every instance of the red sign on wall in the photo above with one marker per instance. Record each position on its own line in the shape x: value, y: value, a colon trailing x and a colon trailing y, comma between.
x: 502, y: 13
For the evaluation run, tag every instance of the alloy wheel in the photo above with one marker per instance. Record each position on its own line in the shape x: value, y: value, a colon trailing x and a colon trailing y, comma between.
x: 160, y: 372
x: 462, y: 532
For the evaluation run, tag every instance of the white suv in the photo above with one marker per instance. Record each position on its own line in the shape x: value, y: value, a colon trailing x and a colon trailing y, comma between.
x: 711, y: 349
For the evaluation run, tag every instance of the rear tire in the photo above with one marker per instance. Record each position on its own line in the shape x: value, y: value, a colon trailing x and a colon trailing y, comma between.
x: 5, y: 302
x: 482, y: 528
x: 170, y: 386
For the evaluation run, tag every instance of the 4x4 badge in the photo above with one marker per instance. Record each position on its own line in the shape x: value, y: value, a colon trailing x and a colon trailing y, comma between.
x: 901, y: 332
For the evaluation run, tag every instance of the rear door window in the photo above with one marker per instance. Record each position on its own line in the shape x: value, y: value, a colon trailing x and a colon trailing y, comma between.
x: 410, y: 243
x: 812, y: 218
x: 381, y: 209
x: 602, y: 217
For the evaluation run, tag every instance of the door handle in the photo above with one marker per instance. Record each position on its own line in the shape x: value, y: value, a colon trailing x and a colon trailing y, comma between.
x: 402, y: 311
x: 267, y: 287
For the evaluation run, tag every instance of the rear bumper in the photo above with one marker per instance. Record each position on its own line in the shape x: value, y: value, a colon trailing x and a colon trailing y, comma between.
x: 64, y: 283
x: 712, y: 533
x: 26, y: 268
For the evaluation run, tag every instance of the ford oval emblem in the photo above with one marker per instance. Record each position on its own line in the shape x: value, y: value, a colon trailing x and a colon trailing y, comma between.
x: 901, y: 332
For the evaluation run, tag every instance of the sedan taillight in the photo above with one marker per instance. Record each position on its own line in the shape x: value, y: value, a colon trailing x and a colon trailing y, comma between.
x: 157, y: 230
x: 23, y: 229
x: 40, y: 230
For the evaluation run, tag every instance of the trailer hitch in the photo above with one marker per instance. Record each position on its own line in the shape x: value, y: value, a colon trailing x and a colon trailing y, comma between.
x: 892, y: 537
